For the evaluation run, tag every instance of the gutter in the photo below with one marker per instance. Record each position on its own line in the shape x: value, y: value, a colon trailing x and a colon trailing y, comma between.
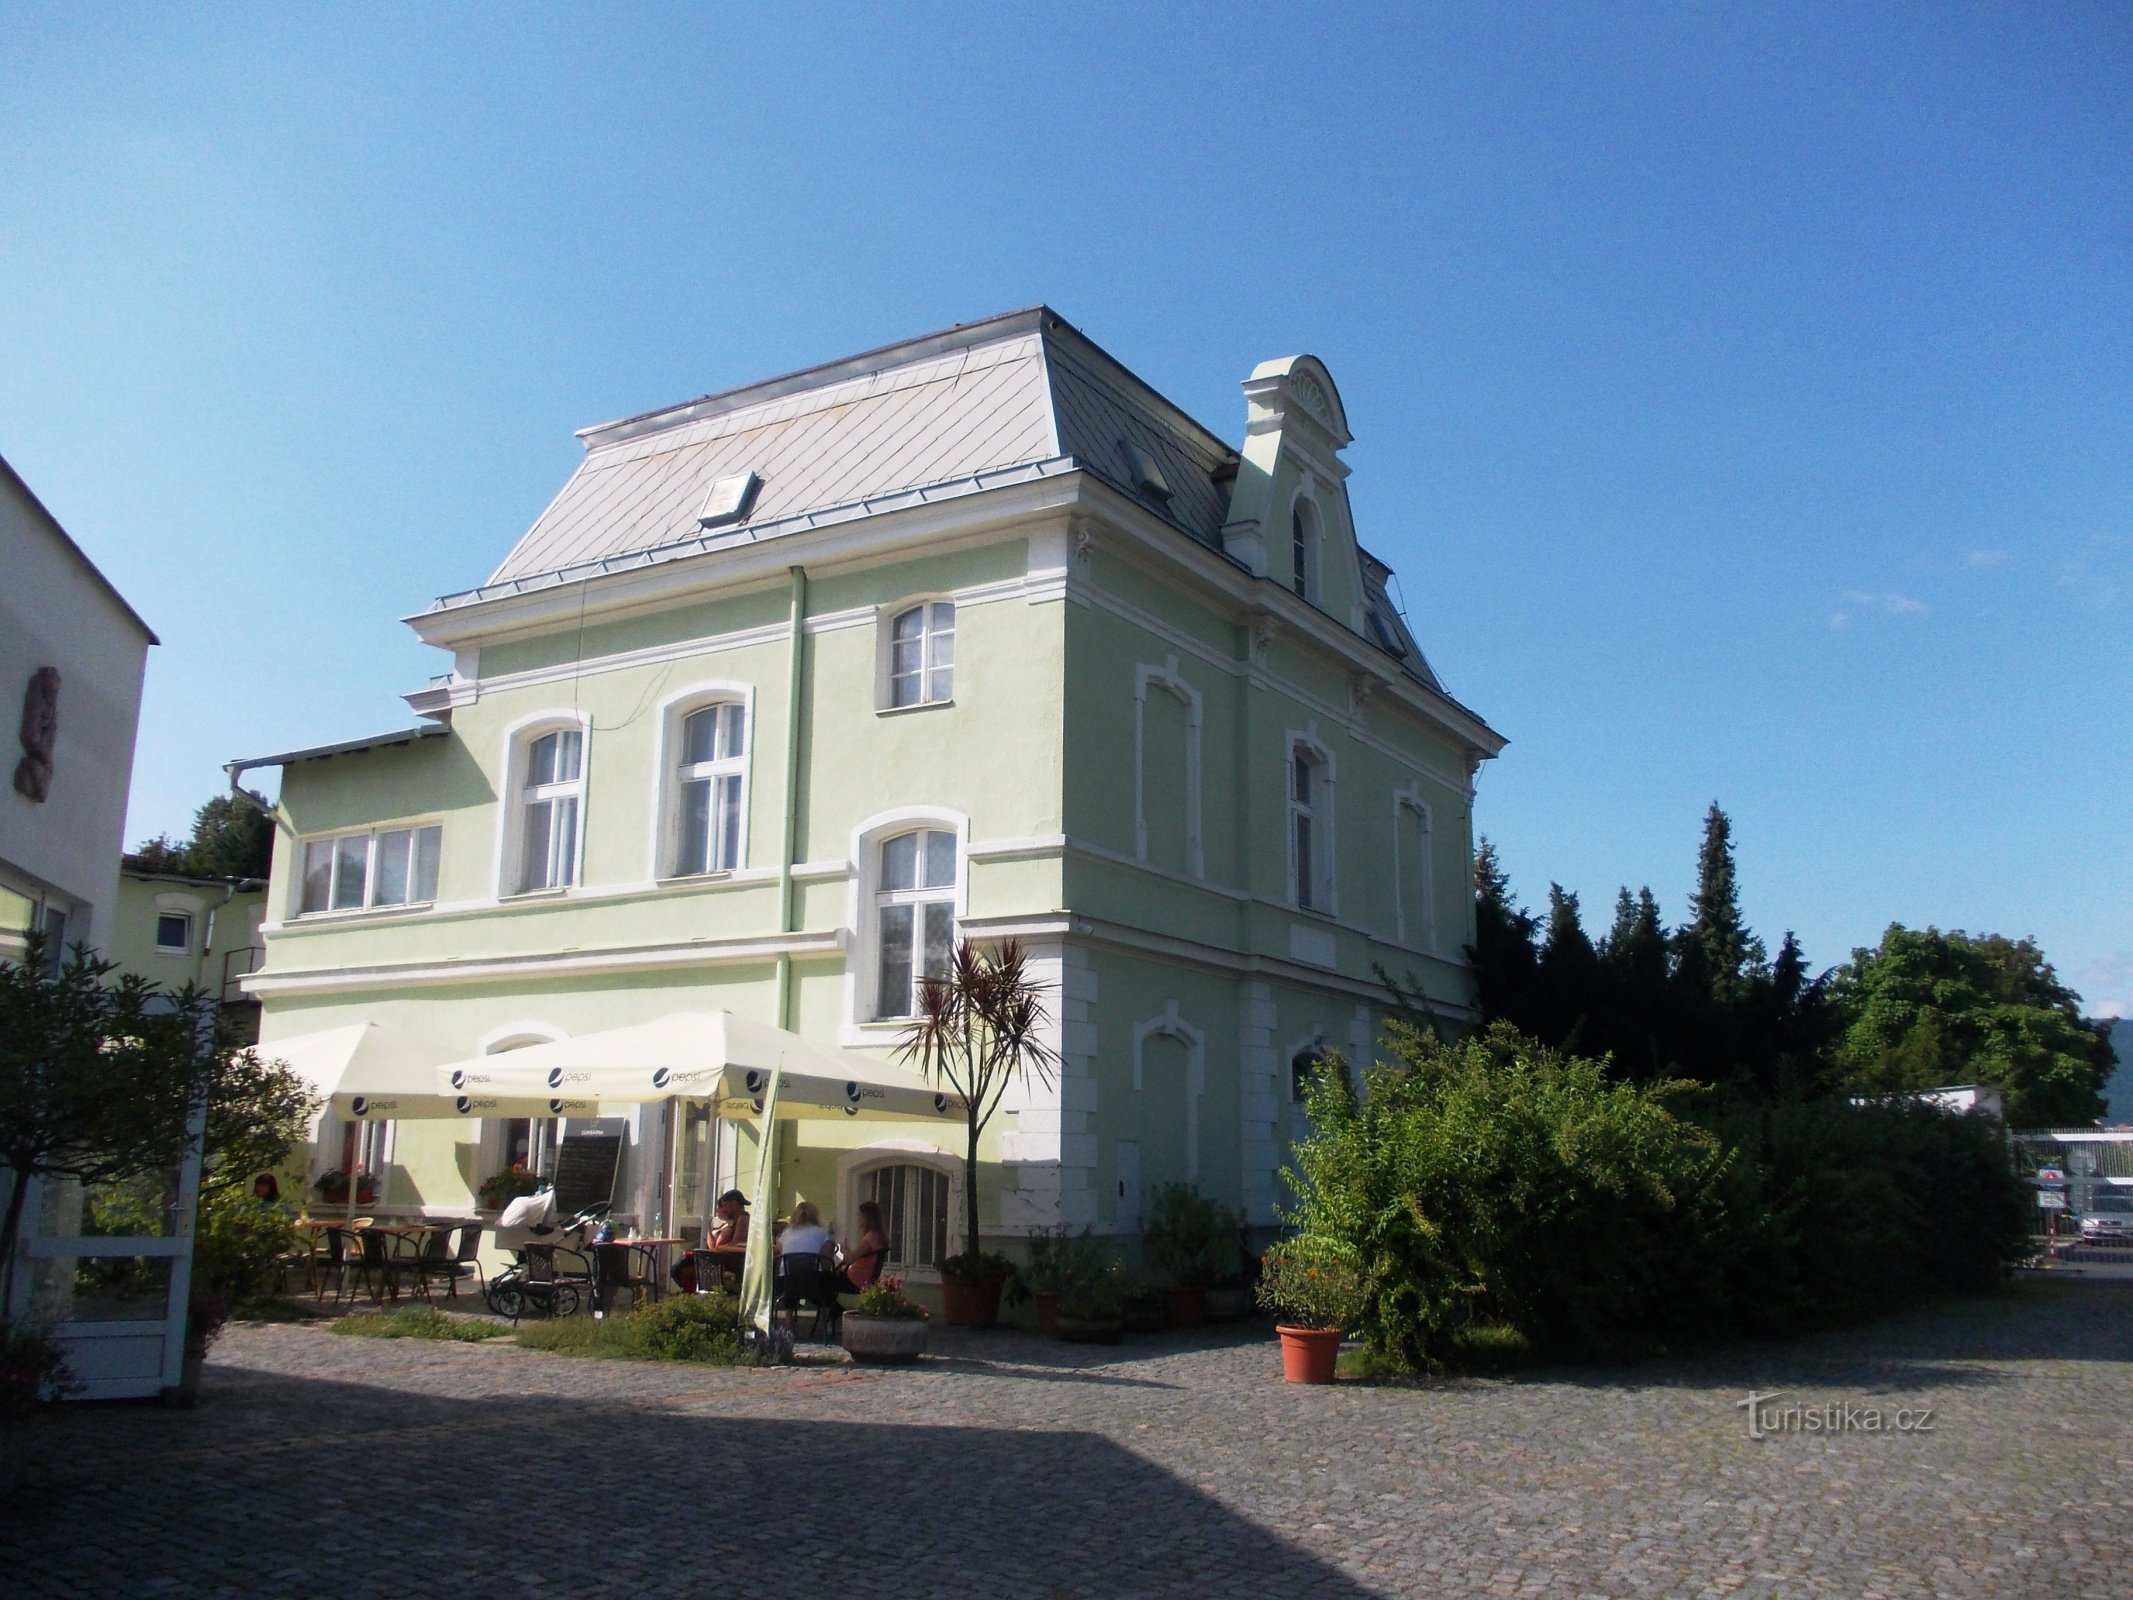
x: 796, y: 660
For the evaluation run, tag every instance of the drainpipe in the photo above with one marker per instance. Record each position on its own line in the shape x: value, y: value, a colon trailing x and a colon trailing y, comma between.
x: 796, y: 647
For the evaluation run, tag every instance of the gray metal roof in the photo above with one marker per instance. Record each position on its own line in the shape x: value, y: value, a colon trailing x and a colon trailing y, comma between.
x: 950, y: 411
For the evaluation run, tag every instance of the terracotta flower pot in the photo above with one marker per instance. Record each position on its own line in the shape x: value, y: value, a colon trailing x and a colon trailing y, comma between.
x: 967, y: 1303
x: 1308, y: 1355
x: 883, y: 1341
x: 1047, y: 1303
x: 1188, y: 1307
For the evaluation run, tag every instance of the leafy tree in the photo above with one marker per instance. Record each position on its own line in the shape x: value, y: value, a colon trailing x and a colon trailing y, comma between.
x: 98, y: 1076
x: 1927, y: 1008
x: 231, y: 838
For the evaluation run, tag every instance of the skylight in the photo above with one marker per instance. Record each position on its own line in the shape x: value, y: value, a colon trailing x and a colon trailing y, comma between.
x: 728, y: 500
x: 1147, y: 476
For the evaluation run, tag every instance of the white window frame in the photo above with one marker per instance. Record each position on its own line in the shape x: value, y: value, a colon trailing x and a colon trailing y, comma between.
x: 853, y: 1167
x: 498, y: 1041
x: 1414, y: 868
x: 414, y: 827
x: 917, y: 899
x: 184, y: 946
x: 885, y: 651
x: 519, y: 739
x: 862, y: 974
x: 1318, y: 873
x: 674, y: 713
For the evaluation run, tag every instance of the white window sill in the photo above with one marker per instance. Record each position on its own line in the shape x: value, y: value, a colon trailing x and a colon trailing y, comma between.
x: 309, y: 919
x: 923, y: 705
x: 684, y: 880
x: 522, y: 896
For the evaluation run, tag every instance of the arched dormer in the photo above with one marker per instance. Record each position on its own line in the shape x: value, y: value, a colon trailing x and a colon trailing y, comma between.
x: 1290, y: 502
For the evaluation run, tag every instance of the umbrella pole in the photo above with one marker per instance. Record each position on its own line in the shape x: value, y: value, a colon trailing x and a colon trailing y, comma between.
x: 758, y: 1269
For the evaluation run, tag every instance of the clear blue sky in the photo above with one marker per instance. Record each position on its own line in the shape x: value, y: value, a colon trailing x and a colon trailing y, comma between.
x: 1743, y: 393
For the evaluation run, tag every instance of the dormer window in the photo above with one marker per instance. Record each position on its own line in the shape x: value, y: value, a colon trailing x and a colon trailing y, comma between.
x: 1146, y: 473
x: 728, y: 500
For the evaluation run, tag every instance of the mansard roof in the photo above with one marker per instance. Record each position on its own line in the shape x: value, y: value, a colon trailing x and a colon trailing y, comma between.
x: 985, y: 403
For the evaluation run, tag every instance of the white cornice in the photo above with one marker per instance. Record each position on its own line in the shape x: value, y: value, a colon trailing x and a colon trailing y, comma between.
x: 492, y: 969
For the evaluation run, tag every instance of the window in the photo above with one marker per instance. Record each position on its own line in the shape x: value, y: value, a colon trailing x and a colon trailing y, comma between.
x: 174, y: 933
x: 530, y: 1142
x: 708, y: 805
x: 1307, y: 831
x: 914, y: 1204
x: 554, y: 786
x: 1303, y: 1066
x: 922, y: 654
x: 353, y: 871
x: 1303, y: 543
x: 914, y: 916
x: 54, y: 924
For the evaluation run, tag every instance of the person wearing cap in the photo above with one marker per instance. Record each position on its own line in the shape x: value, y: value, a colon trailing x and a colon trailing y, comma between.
x: 730, y: 1232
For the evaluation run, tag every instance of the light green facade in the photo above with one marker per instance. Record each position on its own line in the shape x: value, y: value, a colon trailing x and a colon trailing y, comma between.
x: 1114, y: 765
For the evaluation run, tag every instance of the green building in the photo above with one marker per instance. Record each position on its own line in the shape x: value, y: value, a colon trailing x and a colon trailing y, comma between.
x: 972, y: 636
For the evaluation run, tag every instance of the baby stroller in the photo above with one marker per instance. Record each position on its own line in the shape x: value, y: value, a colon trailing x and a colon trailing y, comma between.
x: 551, y: 1274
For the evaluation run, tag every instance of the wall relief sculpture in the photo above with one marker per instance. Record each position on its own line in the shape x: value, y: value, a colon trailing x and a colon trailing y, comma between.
x: 40, y: 735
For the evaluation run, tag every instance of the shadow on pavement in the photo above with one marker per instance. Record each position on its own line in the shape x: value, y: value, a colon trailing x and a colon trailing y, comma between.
x: 281, y: 1485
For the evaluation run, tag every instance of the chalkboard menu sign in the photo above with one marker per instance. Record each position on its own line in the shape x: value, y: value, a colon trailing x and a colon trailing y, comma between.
x: 585, y: 1172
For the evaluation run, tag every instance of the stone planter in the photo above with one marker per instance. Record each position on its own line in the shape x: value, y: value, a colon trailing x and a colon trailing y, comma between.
x: 971, y: 1304
x: 1188, y: 1307
x: 1091, y: 1330
x: 1309, y: 1355
x: 1047, y: 1304
x: 883, y: 1341
x: 1228, y: 1303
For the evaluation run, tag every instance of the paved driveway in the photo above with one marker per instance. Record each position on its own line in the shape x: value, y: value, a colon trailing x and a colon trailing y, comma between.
x: 319, y: 1465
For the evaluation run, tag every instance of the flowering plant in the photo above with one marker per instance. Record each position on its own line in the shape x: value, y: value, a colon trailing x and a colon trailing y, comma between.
x: 1315, y: 1283
x: 884, y: 1297
x: 499, y: 1189
x: 333, y: 1187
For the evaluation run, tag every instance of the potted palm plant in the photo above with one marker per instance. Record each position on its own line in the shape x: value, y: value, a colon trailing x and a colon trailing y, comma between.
x: 1315, y: 1287
x: 979, y: 1028
x: 884, y: 1326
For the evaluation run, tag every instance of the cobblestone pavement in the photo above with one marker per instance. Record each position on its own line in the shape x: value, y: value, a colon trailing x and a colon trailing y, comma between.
x: 1171, y: 1466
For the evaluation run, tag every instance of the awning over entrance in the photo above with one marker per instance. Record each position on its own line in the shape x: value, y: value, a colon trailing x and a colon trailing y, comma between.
x: 702, y: 1055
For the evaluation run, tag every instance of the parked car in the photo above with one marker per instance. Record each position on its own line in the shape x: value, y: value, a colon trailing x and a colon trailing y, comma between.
x: 2108, y: 1220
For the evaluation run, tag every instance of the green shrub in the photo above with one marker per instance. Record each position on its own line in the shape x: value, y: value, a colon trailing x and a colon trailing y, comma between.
x: 415, y: 1322
x: 1507, y: 1203
x: 1189, y: 1239
x: 1494, y: 1180
x: 687, y: 1327
x: 1313, y: 1282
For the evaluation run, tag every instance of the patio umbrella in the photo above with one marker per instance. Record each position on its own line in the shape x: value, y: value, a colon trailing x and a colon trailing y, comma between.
x: 703, y: 1055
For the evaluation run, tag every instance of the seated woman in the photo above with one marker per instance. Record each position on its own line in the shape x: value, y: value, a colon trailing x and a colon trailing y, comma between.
x: 805, y: 1235
x: 861, y: 1265
x: 730, y: 1233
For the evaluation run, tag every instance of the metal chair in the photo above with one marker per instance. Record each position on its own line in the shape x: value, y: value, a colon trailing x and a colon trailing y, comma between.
x: 465, y: 1261
x: 621, y: 1266
x: 806, y: 1280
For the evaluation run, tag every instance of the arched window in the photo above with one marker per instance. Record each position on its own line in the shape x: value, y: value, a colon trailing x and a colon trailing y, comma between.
x: 1310, y: 857
x: 551, y: 796
x: 914, y: 912
x: 914, y: 1205
x: 709, y: 773
x: 1304, y: 1066
x: 922, y: 654
x: 1303, y: 544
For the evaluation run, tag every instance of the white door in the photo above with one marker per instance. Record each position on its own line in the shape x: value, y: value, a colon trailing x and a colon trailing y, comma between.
x: 1129, y: 1186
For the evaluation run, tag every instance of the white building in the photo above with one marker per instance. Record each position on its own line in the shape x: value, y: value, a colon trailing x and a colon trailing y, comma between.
x: 72, y: 657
